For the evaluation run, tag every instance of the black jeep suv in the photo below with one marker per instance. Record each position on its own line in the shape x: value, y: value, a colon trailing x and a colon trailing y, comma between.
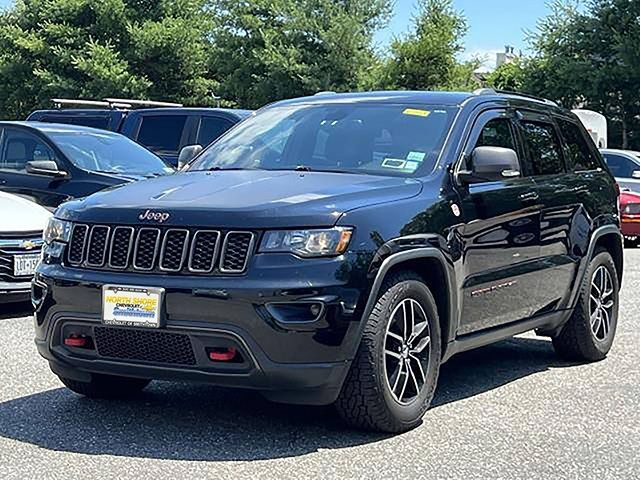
x: 338, y: 249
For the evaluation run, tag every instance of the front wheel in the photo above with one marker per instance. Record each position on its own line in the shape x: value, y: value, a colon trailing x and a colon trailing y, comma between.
x: 393, y: 377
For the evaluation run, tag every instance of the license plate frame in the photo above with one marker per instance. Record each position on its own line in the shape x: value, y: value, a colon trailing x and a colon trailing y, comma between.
x: 20, y: 269
x: 132, y: 306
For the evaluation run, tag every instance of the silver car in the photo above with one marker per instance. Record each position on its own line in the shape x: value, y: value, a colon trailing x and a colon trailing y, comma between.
x: 625, y: 166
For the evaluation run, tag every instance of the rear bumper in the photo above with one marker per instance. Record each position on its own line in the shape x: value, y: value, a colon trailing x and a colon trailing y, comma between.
x: 630, y: 226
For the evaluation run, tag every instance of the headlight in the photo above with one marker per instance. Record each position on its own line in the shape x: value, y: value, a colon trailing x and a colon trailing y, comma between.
x: 57, y: 230
x: 308, y: 243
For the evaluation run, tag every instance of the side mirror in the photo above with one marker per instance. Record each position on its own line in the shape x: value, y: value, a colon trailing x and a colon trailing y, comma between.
x: 187, y: 154
x: 491, y: 164
x: 635, y: 174
x: 45, y: 167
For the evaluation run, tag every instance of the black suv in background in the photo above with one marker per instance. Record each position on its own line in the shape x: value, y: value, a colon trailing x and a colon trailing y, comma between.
x: 50, y: 163
x: 338, y: 249
x: 164, y: 131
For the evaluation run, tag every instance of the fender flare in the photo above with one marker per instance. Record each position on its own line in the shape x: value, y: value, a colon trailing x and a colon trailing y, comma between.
x: 417, y: 253
x: 584, y: 261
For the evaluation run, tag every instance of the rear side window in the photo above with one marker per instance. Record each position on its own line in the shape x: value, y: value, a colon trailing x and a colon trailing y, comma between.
x: 620, y: 166
x: 580, y: 156
x: 162, y: 133
x: 544, y: 148
x: 211, y: 128
x: 87, y: 121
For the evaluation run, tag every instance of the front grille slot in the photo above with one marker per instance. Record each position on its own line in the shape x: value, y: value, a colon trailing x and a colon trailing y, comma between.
x: 146, y: 249
x: 174, y: 250
x: 77, y: 245
x: 161, y: 250
x: 144, y: 345
x: 97, y: 245
x: 235, y: 251
x: 121, y: 243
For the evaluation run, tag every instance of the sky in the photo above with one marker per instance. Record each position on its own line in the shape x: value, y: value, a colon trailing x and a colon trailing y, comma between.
x: 492, y: 24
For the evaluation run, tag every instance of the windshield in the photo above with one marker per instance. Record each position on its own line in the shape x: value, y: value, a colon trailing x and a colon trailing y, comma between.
x: 378, y: 139
x: 108, y: 153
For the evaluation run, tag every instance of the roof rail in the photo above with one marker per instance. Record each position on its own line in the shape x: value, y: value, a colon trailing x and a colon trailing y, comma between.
x: 59, y: 102
x: 111, y: 103
x: 484, y: 91
x: 527, y: 95
x: 142, y: 103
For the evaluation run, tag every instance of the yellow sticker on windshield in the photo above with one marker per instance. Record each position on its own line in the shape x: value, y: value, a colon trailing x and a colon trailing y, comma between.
x: 417, y: 112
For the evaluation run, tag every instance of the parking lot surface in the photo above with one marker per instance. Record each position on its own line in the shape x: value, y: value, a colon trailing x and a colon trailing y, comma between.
x: 511, y: 410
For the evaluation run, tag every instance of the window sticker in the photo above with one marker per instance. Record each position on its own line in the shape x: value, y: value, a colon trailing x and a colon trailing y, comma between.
x: 410, y: 167
x: 416, y: 156
x: 397, y: 163
x: 416, y: 112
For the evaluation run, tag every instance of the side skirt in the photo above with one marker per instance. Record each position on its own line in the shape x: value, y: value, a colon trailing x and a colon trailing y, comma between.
x: 470, y: 341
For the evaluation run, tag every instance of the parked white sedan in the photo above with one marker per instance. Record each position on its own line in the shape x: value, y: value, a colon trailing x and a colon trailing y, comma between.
x: 21, y: 226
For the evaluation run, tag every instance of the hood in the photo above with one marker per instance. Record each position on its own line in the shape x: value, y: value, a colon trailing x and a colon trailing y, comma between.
x: 21, y: 215
x: 241, y: 199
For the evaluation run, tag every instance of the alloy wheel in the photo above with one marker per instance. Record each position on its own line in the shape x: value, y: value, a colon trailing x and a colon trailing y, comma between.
x: 601, y: 303
x: 407, y: 347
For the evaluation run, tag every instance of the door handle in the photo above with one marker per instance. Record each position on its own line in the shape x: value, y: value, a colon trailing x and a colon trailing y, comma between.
x: 529, y: 197
x: 2, y: 181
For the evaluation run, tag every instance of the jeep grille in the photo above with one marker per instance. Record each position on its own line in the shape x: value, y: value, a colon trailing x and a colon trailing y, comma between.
x: 164, y: 249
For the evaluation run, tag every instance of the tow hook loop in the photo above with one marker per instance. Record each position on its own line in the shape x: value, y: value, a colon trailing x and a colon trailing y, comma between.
x: 222, y: 354
x: 74, y: 340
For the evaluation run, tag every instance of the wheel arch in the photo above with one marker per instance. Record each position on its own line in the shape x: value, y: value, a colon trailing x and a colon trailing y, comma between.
x: 441, y: 283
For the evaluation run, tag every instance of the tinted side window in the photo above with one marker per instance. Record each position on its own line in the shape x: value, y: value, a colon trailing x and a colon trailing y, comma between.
x: 580, y: 156
x: 211, y: 128
x: 162, y: 133
x: 94, y: 121
x: 19, y: 147
x: 544, y: 148
x: 620, y: 166
x: 496, y: 133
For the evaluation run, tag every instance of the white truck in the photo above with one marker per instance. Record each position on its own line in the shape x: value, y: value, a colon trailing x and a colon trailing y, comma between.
x: 596, y: 125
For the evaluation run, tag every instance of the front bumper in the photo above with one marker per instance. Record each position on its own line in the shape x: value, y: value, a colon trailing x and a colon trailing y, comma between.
x: 14, y: 292
x: 291, y: 362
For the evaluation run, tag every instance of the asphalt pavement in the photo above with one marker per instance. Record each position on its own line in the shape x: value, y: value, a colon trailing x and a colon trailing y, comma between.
x: 510, y: 410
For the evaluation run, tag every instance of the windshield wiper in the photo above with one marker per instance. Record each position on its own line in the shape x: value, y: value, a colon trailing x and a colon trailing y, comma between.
x: 306, y: 168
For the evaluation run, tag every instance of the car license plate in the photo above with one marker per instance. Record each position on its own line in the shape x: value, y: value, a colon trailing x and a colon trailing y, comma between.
x: 131, y: 306
x: 25, y: 265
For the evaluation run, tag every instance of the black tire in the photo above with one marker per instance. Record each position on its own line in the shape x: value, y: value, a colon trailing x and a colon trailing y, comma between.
x: 577, y: 340
x: 366, y: 400
x: 106, y: 386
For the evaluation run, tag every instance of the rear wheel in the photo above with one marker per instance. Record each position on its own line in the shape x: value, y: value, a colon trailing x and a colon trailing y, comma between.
x: 589, y: 333
x: 393, y: 377
x: 106, y: 386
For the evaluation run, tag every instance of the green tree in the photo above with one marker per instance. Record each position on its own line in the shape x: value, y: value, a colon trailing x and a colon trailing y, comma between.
x: 425, y: 58
x: 89, y: 49
x: 266, y: 50
x: 509, y: 76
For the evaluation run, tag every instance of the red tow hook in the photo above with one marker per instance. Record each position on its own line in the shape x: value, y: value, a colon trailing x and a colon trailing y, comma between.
x: 74, y: 340
x: 222, y: 354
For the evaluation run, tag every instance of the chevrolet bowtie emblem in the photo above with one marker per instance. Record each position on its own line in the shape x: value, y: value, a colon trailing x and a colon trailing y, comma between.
x: 28, y: 245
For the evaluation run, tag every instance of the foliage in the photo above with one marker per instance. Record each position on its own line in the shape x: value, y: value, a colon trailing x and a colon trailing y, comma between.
x: 266, y: 50
x: 121, y: 48
x: 425, y: 58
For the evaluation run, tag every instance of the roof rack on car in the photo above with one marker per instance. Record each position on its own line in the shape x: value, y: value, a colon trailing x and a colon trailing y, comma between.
x: 111, y: 103
x: 142, y: 103
x: 527, y: 95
